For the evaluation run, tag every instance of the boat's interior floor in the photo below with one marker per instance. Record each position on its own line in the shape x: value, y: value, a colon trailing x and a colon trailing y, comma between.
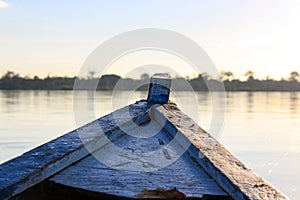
x: 142, y: 163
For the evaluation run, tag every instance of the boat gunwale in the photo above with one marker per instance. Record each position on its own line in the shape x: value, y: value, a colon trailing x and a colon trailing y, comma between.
x: 38, y: 164
x: 238, y: 180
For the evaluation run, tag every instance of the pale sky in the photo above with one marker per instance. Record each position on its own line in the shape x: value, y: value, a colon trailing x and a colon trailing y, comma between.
x: 55, y: 37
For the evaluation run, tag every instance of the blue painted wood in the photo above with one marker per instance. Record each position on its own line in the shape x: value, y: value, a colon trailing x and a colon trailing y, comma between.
x: 184, y: 174
x: 159, y: 88
x: 230, y: 173
x: 44, y: 161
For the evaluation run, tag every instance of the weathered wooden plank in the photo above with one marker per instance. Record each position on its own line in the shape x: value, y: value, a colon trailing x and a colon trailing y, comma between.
x: 230, y: 173
x: 129, y: 181
x: 159, y: 88
x: 42, y: 162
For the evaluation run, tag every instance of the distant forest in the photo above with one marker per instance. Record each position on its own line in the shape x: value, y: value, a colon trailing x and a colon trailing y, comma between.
x: 13, y: 81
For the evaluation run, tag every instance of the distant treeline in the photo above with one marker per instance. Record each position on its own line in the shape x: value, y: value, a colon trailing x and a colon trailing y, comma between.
x: 13, y: 81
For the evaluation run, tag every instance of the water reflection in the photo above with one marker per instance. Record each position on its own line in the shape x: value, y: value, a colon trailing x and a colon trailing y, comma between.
x: 9, y: 100
x: 249, y: 102
x: 294, y: 103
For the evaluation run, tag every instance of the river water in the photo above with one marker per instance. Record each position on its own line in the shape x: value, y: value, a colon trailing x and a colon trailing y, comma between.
x: 260, y: 128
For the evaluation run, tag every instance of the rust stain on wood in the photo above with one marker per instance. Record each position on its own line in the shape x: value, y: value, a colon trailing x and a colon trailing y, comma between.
x: 161, y: 194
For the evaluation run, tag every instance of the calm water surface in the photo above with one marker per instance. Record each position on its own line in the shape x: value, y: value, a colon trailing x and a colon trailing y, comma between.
x: 261, y: 128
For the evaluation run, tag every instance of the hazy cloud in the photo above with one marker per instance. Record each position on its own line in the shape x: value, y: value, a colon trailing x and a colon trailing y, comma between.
x: 3, y: 4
